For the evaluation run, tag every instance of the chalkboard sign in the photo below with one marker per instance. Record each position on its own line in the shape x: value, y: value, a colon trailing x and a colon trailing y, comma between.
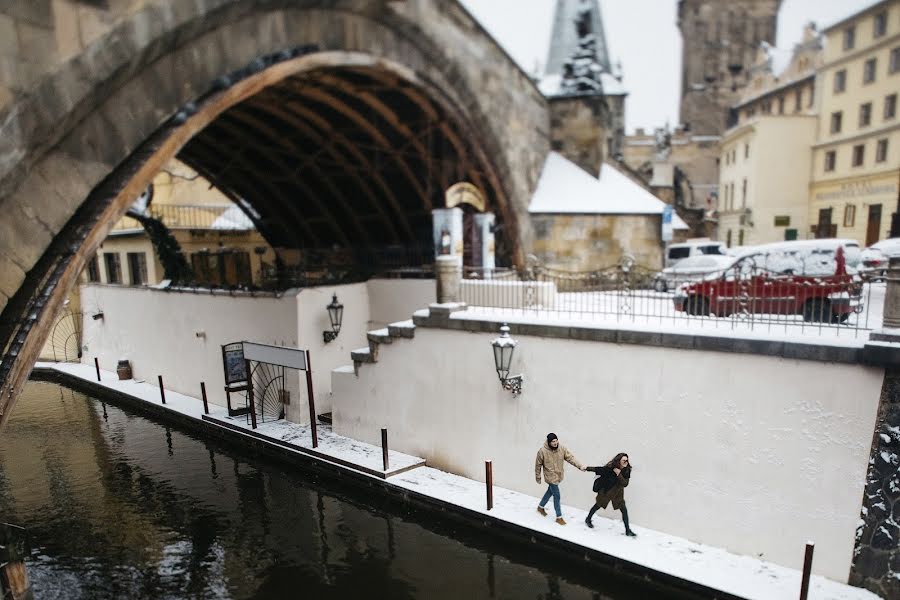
x: 234, y: 363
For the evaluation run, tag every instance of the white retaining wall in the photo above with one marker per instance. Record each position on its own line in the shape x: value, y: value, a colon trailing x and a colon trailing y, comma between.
x: 752, y: 453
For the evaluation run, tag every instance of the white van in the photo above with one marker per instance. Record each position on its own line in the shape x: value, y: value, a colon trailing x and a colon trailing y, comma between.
x: 692, y: 247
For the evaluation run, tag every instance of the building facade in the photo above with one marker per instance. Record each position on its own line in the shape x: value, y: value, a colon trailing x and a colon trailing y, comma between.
x: 856, y: 156
x: 765, y: 154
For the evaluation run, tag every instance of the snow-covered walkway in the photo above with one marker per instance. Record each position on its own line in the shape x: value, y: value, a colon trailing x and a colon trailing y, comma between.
x: 716, y: 568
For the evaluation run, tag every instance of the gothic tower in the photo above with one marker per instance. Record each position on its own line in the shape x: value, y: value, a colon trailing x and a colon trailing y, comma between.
x: 720, y: 39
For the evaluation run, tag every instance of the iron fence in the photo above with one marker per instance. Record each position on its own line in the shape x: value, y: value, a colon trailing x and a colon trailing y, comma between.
x: 743, y: 297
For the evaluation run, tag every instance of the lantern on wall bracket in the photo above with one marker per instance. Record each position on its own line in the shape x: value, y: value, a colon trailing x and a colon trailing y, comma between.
x: 504, y: 347
x: 335, y: 315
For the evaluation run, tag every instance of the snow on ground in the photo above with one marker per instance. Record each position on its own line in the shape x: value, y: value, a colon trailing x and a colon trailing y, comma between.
x: 714, y: 567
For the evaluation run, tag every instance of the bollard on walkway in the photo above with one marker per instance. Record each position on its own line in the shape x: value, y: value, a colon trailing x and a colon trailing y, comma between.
x: 162, y: 390
x: 97, y: 367
x: 384, y: 448
x: 489, y: 483
x: 203, y: 393
x: 807, y: 569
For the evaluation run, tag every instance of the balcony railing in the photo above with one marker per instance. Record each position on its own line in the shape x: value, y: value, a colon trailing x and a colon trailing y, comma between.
x: 190, y: 216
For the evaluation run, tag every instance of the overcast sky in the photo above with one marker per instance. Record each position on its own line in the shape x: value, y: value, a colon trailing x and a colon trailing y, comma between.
x: 643, y: 35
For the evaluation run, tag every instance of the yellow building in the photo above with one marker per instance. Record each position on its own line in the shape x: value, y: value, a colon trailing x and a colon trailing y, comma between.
x: 856, y: 157
x: 765, y: 156
x: 219, y: 241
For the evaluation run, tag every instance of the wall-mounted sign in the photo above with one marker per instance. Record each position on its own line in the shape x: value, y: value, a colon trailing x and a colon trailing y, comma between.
x: 782, y: 221
x: 464, y: 193
x: 234, y: 363
x: 860, y: 189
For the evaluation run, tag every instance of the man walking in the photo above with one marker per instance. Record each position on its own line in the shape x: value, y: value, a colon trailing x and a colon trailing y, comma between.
x: 550, y: 460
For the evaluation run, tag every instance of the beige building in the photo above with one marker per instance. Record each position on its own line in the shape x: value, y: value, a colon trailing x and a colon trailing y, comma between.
x: 219, y: 241
x: 765, y: 154
x: 856, y: 157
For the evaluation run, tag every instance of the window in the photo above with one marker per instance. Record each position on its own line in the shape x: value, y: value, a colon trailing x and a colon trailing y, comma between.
x: 859, y: 155
x: 798, y: 98
x: 113, y: 268
x: 879, y: 25
x: 746, y: 150
x: 881, y: 149
x: 93, y: 269
x: 849, y: 215
x: 744, y: 194
x: 812, y: 95
x: 830, y: 159
x: 767, y: 107
x: 137, y: 268
x: 840, y: 81
x: 741, y: 237
x: 890, y: 106
x: 869, y: 68
x: 728, y: 239
x: 865, y: 114
x: 731, y: 200
x: 849, y: 38
x: 781, y: 105
x: 836, y: 118
x: 895, y: 60
x: 225, y: 268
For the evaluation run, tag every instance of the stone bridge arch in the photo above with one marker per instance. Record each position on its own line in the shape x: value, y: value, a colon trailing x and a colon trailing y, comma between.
x: 87, y: 136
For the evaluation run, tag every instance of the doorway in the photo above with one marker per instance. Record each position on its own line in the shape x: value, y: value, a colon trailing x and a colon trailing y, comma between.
x: 873, y: 229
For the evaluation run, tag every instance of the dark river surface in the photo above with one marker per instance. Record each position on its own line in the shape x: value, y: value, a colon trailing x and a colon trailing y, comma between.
x: 120, y: 506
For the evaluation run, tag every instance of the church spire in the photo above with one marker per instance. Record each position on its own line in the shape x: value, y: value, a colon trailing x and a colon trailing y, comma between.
x: 573, y: 22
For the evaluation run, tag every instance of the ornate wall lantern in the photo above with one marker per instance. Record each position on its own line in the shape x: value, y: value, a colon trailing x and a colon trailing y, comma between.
x: 335, y: 315
x: 504, y: 347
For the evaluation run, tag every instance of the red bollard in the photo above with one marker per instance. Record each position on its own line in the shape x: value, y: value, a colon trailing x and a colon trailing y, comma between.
x: 162, y: 390
x: 384, y: 448
x: 807, y: 569
x: 97, y: 366
x: 489, y: 483
x: 203, y: 392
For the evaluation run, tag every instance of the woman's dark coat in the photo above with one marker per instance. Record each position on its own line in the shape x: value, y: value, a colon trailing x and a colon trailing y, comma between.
x: 612, y: 486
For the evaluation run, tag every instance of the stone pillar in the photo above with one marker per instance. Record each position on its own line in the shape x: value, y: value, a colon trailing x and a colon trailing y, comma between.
x: 876, y: 557
x: 892, y: 295
x: 483, y: 255
x: 448, y: 275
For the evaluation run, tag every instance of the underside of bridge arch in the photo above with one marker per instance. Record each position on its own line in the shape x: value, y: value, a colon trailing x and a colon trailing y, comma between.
x: 350, y: 159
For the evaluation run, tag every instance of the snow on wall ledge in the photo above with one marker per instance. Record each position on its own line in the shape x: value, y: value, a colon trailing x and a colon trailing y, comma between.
x: 753, y: 453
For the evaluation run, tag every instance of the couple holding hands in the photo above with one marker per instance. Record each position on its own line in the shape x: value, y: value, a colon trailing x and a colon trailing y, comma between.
x: 610, y: 480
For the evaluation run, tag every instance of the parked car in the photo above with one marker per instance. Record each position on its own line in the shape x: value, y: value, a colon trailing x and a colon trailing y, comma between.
x: 693, y: 247
x: 749, y: 285
x: 874, y: 259
x: 692, y: 268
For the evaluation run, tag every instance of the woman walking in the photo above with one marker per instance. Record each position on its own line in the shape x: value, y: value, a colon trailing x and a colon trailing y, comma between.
x: 610, y: 484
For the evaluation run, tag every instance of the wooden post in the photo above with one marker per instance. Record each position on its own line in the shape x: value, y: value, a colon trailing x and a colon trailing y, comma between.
x: 807, y: 569
x: 312, y: 402
x: 162, y: 390
x: 250, y: 395
x: 384, y: 448
x: 489, y: 483
x: 97, y: 367
x: 203, y: 393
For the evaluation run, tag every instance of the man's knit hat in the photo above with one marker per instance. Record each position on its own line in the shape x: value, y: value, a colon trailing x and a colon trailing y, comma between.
x: 551, y: 437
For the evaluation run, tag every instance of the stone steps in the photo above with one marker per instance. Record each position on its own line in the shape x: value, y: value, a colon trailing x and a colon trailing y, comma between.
x: 379, y: 337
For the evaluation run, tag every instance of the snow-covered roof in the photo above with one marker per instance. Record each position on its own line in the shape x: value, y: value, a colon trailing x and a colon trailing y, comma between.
x: 549, y: 85
x: 233, y: 218
x: 566, y: 188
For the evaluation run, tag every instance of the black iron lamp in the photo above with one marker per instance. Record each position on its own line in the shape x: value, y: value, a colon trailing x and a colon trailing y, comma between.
x: 504, y: 347
x: 335, y: 315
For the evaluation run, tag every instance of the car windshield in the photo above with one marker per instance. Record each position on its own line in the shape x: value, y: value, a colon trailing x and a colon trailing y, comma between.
x: 712, y: 249
x: 679, y: 252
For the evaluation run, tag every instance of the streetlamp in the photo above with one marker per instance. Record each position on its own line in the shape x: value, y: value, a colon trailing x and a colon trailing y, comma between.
x: 504, y: 346
x: 335, y: 315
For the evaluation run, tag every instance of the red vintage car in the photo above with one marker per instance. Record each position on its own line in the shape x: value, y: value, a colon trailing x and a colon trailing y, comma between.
x: 749, y: 287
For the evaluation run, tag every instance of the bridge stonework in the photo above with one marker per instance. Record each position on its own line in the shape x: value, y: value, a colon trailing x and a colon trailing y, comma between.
x: 85, y: 117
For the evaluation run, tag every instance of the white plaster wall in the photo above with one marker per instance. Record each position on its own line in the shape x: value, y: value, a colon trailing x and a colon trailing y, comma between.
x: 312, y: 320
x: 752, y: 453
x: 392, y: 300
x: 156, y: 331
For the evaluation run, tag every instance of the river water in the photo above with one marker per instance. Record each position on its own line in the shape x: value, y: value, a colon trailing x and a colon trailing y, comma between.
x: 120, y: 506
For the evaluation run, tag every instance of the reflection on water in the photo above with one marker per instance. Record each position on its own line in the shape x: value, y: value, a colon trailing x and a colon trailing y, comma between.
x: 118, y: 506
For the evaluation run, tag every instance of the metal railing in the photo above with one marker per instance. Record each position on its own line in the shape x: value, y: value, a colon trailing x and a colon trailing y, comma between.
x: 744, y: 297
x: 192, y: 216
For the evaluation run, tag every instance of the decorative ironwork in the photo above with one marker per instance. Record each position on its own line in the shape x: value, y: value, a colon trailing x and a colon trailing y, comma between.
x: 66, y: 337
